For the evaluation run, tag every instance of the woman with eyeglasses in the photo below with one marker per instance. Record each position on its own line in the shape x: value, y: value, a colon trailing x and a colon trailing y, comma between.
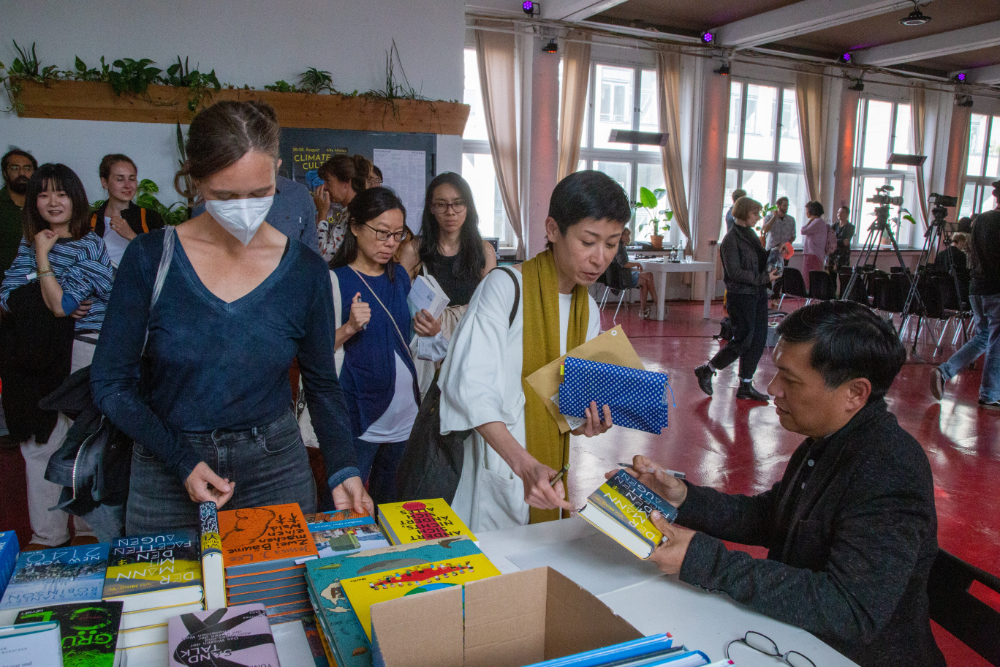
x: 374, y: 331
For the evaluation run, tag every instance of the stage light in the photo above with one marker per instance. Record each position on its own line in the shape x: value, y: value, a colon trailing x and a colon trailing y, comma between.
x: 846, y: 58
x: 529, y: 7
x: 960, y: 77
x: 551, y: 47
x: 708, y: 37
x: 723, y: 69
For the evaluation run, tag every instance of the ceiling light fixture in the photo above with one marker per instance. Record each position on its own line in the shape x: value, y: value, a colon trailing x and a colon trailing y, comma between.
x: 708, y: 37
x: 529, y: 7
x: 846, y: 58
x: 551, y: 47
x: 916, y: 17
x: 723, y: 69
x: 858, y: 85
x: 960, y: 77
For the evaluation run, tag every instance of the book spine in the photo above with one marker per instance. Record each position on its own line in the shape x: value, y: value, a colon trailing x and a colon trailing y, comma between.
x: 208, y: 515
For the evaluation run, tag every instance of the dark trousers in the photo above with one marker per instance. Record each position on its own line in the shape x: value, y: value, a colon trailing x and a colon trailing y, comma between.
x: 378, y: 463
x: 748, y: 313
x: 269, y: 465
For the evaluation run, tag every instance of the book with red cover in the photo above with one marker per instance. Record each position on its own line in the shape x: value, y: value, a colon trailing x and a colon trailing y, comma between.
x: 262, y: 539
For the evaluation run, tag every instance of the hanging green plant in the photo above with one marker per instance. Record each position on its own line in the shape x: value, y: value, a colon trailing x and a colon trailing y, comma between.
x: 133, y: 76
x: 84, y: 73
x: 181, y: 75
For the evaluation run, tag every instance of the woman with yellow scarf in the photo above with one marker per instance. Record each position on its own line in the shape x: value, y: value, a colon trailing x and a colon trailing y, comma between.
x: 516, y: 448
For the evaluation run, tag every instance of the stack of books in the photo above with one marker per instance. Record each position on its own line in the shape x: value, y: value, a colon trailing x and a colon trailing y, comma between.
x: 264, y: 550
x: 54, y: 576
x: 9, y: 550
x: 155, y: 577
x: 89, y: 632
x: 419, y: 520
x: 644, y: 652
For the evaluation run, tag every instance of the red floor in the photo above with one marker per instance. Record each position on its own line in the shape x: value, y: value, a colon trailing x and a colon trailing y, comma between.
x: 741, y: 448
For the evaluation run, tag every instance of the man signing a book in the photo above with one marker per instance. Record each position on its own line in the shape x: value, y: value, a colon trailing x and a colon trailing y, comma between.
x: 850, y: 528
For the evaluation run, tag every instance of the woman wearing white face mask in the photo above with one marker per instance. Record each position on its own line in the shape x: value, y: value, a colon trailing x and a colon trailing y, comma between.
x: 238, y: 303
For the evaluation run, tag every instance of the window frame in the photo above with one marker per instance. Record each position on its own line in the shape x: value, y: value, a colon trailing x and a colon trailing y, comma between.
x: 982, y: 185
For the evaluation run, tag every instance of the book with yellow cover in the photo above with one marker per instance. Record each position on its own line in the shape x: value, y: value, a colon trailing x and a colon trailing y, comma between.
x: 152, y: 571
x: 419, y: 520
x: 363, y: 592
x: 262, y: 539
x: 621, y: 507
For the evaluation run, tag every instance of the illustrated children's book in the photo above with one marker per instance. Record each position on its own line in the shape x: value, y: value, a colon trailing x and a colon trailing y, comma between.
x: 89, y: 630
x: 235, y: 637
x: 419, y: 520
x: 153, y: 571
x: 261, y: 539
x: 55, y: 576
x: 620, y: 508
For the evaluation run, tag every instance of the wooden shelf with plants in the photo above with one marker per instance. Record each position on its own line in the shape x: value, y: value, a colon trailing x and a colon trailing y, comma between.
x: 92, y: 100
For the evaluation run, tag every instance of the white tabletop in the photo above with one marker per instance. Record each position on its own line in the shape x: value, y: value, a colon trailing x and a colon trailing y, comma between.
x: 651, y: 602
x: 666, y: 266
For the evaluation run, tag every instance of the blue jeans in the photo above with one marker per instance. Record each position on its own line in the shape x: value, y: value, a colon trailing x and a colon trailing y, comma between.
x: 986, y: 310
x: 378, y: 463
x: 268, y: 464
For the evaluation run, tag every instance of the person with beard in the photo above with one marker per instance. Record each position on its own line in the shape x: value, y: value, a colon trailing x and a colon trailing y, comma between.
x: 17, y: 167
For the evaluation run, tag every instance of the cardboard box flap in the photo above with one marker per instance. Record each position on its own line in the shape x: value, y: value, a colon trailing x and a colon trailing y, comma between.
x: 576, y: 621
x: 505, y: 620
x: 408, y: 635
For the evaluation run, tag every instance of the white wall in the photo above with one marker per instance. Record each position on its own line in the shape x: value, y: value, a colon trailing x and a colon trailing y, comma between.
x: 253, y: 42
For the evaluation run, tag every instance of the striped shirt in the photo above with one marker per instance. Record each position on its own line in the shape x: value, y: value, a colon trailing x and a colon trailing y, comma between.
x: 82, y: 267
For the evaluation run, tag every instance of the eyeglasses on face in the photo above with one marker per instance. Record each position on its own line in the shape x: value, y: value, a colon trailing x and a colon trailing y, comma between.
x: 764, y: 644
x: 441, y: 207
x: 383, y: 235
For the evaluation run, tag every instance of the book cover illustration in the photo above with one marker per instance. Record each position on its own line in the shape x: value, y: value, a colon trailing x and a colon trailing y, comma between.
x: 627, y: 502
x: 89, y: 630
x: 420, y: 520
x: 9, y: 549
x: 153, y: 563
x: 213, y: 571
x: 337, y: 619
x: 337, y: 519
x: 55, y: 576
x: 263, y: 537
x: 637, y: 398
x: 342, y: 541
x: 363, y: 592
x: 234, y: 637
x: 208, y: 529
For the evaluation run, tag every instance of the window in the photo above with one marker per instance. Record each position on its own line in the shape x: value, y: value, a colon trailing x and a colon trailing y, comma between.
x: 984, y: 164
x: 626, y: 100
x: 884, y: 128
x: 477, y: 162
x: 764, y: 154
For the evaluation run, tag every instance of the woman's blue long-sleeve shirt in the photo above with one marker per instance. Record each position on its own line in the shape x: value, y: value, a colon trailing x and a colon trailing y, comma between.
x: 217, y: 365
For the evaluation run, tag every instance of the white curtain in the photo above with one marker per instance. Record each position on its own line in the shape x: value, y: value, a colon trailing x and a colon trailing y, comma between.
x: 575, y: 80
x: 812, y: 111
x: 919, y: 125
x: 495, y: 53
x: 958, y: 153
x: 668, y: 66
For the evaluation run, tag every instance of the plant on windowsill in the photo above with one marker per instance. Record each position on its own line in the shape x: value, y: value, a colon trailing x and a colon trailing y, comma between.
x: 650, y: 200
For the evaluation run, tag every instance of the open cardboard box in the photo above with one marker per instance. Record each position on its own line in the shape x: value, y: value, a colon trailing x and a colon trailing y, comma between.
x: 511, y: 620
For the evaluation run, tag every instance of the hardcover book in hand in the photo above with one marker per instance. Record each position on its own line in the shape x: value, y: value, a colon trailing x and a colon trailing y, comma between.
x: 236, y: 637
x: 621, y: 507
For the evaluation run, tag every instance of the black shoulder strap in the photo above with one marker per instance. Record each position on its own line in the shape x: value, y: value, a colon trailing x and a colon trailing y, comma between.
x: 517, y: 294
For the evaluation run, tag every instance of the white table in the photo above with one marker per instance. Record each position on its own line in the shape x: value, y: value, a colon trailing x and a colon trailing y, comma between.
x: 654, y: 603
x: 661, y: 267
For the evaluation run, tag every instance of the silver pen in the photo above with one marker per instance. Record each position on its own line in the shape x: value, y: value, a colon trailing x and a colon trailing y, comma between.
x: 675, y: 473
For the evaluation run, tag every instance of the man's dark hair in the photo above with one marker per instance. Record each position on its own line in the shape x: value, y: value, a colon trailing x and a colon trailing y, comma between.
x: 815, y: 208
x: 588, y: 194
x: 780, y: 199
x: 5, y: 160
x: 56, y: 177
x: 849, y: 342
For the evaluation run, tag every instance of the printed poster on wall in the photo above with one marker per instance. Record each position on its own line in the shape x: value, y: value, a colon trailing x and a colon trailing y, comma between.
x: 405, y: 172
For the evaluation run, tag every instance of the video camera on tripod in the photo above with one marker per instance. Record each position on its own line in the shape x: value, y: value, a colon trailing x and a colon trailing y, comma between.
x: 882, y: 197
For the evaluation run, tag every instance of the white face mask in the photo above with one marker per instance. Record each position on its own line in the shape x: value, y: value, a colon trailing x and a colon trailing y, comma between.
x: 240, y: 217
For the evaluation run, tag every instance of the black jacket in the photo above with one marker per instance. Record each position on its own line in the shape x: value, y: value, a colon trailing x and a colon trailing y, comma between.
x: 849, y: 555
x: 744, y: 260
x: 132, y: 215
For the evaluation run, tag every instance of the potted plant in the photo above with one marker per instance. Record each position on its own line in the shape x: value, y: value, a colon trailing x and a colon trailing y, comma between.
x: 650, y: 200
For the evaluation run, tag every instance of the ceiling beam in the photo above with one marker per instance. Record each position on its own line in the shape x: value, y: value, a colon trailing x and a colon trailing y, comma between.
x: 575, y: 10
x: 984, y: 75
x: 799, y: 19
x: 962, y: 40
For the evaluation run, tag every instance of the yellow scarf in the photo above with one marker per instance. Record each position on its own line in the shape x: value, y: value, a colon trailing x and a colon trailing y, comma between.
x: 541, y: 345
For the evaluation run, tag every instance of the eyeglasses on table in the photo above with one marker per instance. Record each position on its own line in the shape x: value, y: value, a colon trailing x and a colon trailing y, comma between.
x: 764, y: 644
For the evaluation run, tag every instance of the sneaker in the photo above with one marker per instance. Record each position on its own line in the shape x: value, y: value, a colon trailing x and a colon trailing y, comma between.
x: 747, y: 391
x: 937, y: 383
x: 989, y: 405
x: 704, y: 374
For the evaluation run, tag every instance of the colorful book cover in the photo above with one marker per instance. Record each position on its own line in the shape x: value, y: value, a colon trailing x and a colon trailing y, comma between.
x: 89, y: 630
x: 420, y: 520
x: 234, y: 637
x: 9, y: 549
x: 337, y: 519
x: 317, y: 642
x: 153, y: 563
x: 213, y: 571
x: 363, y: 592
x: 348, y: 641
x: 257, y: 539
x: 347, y: 540
x: 621, y: 507
x: 641, y: 496
x: 55, y: 576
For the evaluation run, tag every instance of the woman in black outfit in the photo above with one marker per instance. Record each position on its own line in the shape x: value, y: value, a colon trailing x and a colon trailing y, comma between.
x: 745, y: 262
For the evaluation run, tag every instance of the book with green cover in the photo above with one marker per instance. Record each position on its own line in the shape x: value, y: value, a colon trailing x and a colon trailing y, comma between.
x: 89, y: 630
x: 155, y: 570
x: 336, y: 617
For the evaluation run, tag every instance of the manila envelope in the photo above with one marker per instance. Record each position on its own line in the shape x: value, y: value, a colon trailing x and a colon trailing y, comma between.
x: 611, y: 347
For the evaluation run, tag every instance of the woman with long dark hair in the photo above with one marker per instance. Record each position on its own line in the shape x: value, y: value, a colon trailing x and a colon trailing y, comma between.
x: 68, y: 263
x: 375, y: 332
x: 239, y: 302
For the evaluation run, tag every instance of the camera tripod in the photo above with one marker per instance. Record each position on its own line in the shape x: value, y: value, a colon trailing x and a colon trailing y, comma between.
x: 879, y: 230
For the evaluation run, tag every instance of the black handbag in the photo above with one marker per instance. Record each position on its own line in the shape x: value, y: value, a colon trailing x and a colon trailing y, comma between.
x: 432, y: 463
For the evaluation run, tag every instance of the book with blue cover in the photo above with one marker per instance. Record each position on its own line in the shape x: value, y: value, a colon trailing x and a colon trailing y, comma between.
x: 348, y: 640
x: 55, y: 576
x: 637, y: 398
x: 655, y: 645
x: 620, y: 508
x: 9, y: 549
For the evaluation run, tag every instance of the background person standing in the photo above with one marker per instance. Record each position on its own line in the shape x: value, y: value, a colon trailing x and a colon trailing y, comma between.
x: 17, y: 167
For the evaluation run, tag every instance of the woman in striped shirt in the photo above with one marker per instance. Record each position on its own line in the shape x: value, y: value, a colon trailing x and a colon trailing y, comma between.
x: 72, y: 266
